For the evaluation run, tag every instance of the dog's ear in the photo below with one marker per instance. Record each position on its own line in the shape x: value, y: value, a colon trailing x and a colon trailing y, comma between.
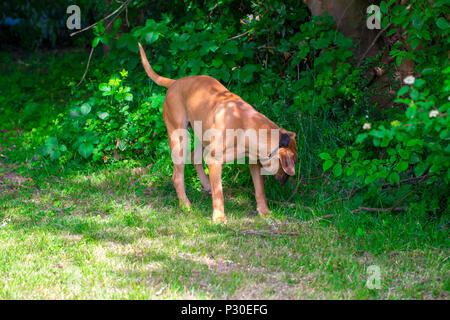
x: 291, y: 134
x: 287, y: 160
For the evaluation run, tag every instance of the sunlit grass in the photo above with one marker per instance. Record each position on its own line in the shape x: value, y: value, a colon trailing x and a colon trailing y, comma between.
x: 112, y: 234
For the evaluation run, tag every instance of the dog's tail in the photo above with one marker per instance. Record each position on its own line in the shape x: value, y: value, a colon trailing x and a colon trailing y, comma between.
x: 165, y: 82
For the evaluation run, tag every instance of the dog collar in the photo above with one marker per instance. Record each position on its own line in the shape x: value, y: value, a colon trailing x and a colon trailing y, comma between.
x: 284, y: 142
x: 271, y: 155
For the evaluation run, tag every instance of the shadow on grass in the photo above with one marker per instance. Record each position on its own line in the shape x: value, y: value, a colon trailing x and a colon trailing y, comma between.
x: 155, y: 248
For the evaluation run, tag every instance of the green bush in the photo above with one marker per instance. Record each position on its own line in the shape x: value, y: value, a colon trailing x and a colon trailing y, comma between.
x: 410, y: 149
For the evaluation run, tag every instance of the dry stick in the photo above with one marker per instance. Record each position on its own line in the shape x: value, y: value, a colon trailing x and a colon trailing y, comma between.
x: 320, y: 218
x: 372, y: 44
x: 87, y: 67
x: 240, y: 35
x: 115, y: 18
x: 406, y: 180
x: 408, y: 193
x: 380, y: 209
x: 125, y: 3
x: 295, y: 190
x: 267, y: 233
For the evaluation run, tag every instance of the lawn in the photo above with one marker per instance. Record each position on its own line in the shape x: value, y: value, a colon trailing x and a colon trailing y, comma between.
x: 115, y: 233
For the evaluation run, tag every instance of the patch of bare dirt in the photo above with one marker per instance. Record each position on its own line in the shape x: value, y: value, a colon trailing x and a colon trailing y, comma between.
x: 10, y: 181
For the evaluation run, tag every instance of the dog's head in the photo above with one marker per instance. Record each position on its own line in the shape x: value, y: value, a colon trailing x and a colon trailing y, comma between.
x: 287, y: 155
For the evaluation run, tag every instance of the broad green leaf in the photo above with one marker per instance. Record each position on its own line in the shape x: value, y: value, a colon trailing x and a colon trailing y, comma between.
x: 402, y: 91
x: 394, y: 177
x: 442, y: 23
x: 104, y: 87
x: 52, y: 142
x: 85, y: 150
x: 370, y: 178
x: 54, y: 154
x: 414, y: 158
x: 151, y: 37
x: 402, y: 166
x: 327, y: 165
x: 414, y: 142
x: 324, y: 156
x: 95, y: 42
x: 337, y: 169
x: 383, y: 7
x: 361, y: 137
x: 129, y: 96
x: 340, y: 153
x: 349, y: 171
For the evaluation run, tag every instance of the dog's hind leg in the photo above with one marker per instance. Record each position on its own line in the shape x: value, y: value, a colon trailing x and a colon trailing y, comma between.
x: 197, y: 161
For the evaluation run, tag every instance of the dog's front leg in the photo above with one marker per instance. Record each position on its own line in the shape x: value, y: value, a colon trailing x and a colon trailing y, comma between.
x: 260, y: 195
x: 215, y: 179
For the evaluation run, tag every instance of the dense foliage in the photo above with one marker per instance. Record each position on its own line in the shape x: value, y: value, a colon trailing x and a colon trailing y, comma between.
x: 295, y: 68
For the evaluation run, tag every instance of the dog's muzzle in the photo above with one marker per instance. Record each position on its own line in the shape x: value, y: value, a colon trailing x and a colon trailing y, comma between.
x: 282, y: 179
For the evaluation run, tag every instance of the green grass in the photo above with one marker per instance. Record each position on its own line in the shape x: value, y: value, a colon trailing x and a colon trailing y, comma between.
x: 115, y: 234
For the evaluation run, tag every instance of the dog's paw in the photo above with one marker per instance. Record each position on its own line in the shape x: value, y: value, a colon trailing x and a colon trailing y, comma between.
x: 264, y: 212
x: 185, y: 207
x: 219, y: 219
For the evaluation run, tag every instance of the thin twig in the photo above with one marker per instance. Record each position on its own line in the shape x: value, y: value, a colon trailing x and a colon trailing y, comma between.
x: 240, y: 35
x: 115, y: 18
x: 372, y: 44
x: 406, y: 180
x: 295, y: 190
x: 327, y: 216
x: 125, y: 3
x: 268, y: 233
x: 380, y: 209
x: 87, y: 67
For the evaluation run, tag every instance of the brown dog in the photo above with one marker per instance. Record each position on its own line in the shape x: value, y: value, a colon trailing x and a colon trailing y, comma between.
x: 204, y: 100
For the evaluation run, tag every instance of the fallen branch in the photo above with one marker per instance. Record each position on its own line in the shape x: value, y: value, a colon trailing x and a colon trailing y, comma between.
x: 268, y: 233
x: 380, y: 209
x: 324, y: 217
